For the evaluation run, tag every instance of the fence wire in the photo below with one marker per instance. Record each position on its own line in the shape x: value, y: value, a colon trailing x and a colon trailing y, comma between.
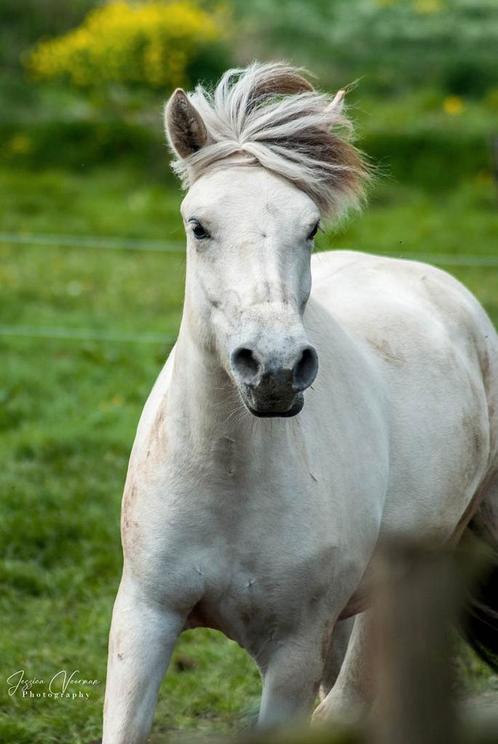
x: 115, y: 243
x: 170, y: 246
x: 84, y: 334
x: 92, y: 241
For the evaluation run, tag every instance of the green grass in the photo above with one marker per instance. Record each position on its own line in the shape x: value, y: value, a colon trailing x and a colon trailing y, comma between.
x: 68, y: 411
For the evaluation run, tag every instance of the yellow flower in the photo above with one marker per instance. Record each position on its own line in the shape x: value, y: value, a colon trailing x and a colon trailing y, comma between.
x: 453, y: 105
x: 426, y: 7
x: 150, y: 42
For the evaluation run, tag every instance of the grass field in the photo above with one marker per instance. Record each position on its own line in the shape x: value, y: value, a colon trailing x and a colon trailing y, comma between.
x: 69, y: 407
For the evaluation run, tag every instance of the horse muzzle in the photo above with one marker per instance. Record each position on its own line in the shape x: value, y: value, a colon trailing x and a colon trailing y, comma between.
x: 273, y: 384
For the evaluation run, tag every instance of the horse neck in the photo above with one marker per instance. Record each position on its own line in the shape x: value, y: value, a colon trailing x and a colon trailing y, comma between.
x: 203, y: 397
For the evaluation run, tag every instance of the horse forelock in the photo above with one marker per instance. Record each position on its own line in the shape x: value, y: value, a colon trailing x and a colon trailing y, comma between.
x: 271, y: 115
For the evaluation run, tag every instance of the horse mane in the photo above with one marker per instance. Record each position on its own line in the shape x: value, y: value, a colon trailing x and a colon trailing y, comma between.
x: 271, y: 115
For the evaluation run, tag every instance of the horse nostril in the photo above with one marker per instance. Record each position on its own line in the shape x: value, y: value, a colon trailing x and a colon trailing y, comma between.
x: 305, y: 368
x: 245, y: 363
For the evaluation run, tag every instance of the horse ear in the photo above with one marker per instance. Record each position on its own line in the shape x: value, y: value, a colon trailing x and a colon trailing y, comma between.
x: 337, y: 104
x: 185, y: 129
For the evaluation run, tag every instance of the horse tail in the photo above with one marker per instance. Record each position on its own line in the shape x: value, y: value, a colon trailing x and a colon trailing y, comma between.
x: 480, y: 620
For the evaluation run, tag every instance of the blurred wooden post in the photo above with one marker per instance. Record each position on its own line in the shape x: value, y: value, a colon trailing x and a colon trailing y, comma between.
x: 416, y: 599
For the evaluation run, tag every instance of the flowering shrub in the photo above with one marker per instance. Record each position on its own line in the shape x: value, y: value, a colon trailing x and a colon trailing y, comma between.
x: 152, y: 42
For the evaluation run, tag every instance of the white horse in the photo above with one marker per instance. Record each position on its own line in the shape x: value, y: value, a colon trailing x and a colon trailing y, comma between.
x: 255, y: 509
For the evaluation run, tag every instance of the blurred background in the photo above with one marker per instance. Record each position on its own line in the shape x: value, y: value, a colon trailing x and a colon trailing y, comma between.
x: 92, y: 269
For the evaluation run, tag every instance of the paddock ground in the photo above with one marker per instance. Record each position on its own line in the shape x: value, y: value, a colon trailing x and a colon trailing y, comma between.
x: 83, y: 332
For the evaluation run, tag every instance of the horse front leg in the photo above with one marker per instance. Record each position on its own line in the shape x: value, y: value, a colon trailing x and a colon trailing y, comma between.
x: 291, y: 677
x: 142, y: 637
x: 336, y: 655
x: 353, y: 690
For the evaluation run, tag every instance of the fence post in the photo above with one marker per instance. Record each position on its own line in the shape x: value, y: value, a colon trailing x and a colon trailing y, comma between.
x: 416, y: 600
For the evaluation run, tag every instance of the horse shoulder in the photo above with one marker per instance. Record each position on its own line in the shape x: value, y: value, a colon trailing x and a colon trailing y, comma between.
x: 149, y: 456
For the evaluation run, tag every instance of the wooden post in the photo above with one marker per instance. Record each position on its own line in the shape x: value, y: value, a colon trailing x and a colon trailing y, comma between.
x: 415, y: 602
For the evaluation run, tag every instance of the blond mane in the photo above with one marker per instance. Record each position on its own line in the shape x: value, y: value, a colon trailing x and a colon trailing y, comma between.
x: 271, y: 115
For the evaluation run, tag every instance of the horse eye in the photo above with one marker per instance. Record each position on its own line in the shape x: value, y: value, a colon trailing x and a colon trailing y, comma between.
x: 199, y: 231
x: 312, y: 234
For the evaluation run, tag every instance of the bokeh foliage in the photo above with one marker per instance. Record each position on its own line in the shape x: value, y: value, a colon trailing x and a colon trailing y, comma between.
x: 391, y: 44
x: 152, y: 43
x: 426, y: 101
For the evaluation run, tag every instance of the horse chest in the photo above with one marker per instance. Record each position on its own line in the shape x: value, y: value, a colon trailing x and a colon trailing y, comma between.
x: 256, y: 604
x: 265, y: 554
x: 258, y: 585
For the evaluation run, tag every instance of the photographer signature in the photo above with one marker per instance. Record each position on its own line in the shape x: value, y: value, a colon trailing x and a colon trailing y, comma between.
x: 62, y: 684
